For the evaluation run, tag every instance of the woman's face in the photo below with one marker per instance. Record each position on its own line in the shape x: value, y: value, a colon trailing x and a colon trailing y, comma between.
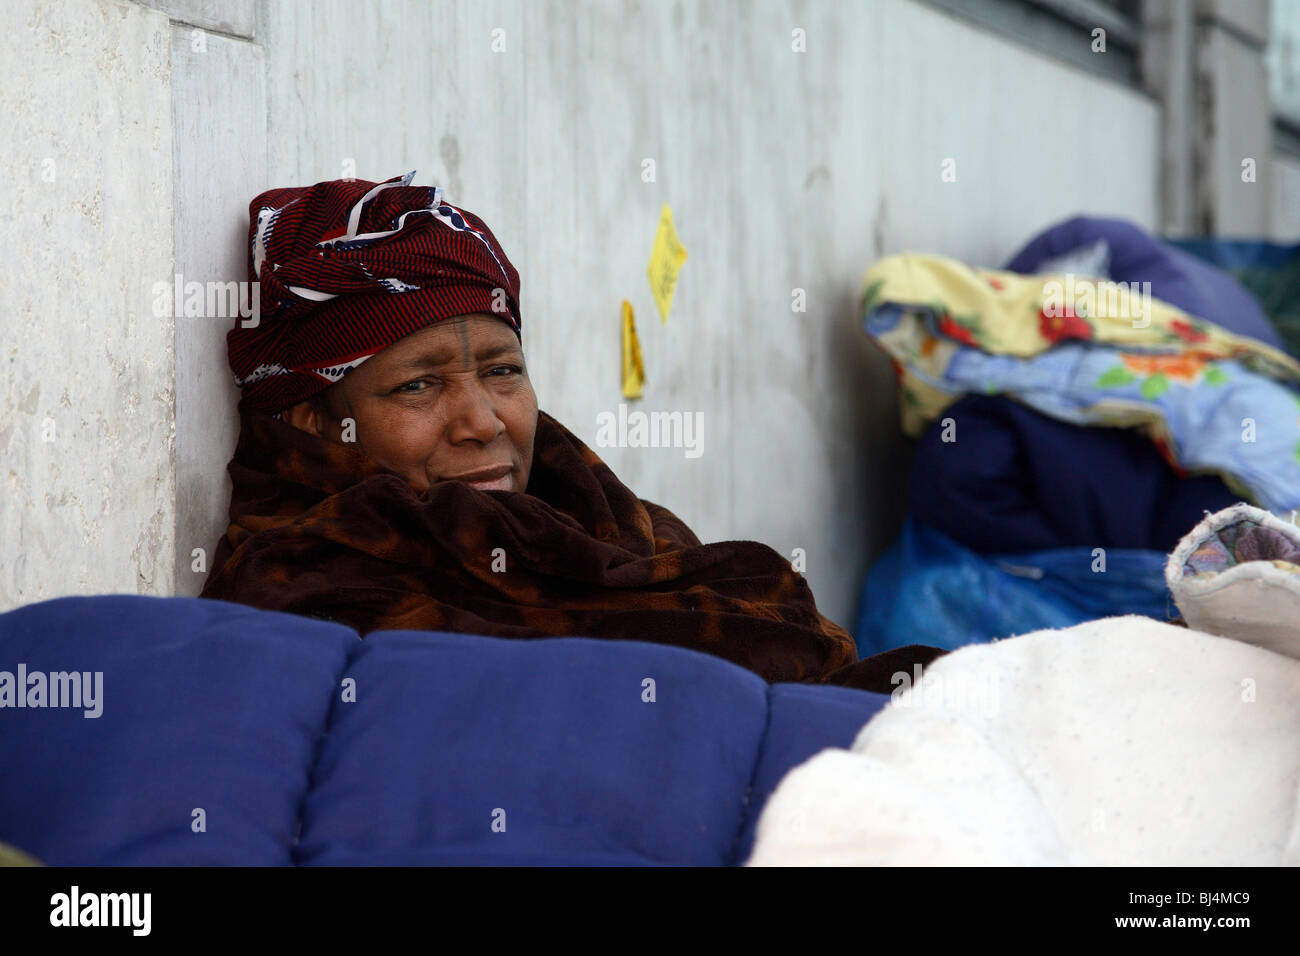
x: 451, y: 401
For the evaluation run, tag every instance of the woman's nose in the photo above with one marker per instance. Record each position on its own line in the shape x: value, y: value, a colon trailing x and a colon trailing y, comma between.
x: 472, y: 416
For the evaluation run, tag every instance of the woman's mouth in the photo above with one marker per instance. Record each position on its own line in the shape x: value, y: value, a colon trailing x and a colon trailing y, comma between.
x: 496, y: 478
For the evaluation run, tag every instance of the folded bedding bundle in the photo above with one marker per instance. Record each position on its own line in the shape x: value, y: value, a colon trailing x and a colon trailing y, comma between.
x: 1121, y: 741
x: 1063, y: 413
x: 1020, y: 480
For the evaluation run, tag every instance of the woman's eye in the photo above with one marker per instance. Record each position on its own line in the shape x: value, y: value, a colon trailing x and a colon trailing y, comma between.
x: 406, y: 389
x: 505, y: 370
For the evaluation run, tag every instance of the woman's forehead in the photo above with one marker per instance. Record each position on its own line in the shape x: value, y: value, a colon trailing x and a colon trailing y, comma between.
x: 460, y: 339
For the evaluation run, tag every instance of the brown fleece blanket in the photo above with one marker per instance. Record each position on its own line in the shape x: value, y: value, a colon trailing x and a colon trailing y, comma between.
x: 320, y: 529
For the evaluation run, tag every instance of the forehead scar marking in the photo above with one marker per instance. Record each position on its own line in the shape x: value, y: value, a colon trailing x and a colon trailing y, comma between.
x: 464, y: 342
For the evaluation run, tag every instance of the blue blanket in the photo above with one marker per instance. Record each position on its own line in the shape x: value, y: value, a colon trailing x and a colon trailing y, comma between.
x: 1018, y: 480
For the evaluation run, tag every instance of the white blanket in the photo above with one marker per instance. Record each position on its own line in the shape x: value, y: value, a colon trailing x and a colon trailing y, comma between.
x: 1122, y: 741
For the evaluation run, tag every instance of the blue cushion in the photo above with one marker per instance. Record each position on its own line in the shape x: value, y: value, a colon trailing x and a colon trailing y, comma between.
x: 1176, y: 277
x: 803, y: 720
x: 242, y: 713
x: 205, y: 705
x: 450, y: 734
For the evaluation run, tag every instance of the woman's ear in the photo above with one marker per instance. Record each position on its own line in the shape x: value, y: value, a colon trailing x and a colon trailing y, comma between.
x: 306, y: 417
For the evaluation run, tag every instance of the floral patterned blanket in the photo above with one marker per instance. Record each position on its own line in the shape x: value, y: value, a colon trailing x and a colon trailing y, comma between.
x: 1091, y: 352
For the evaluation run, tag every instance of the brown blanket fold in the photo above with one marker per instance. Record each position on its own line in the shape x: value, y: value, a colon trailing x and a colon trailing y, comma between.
x: 320, y: 529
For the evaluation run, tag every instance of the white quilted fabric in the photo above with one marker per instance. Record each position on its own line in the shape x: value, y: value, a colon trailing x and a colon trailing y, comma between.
x: 1123, y: 741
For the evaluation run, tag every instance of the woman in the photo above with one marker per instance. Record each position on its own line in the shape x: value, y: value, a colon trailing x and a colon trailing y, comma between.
x: 393, y: 470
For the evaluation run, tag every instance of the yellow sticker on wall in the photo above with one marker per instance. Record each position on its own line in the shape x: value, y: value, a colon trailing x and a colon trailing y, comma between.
x: 665, y: 262
x: 633, y: 371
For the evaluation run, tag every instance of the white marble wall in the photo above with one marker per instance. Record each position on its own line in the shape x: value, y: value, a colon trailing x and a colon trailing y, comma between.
x: 87, y: 396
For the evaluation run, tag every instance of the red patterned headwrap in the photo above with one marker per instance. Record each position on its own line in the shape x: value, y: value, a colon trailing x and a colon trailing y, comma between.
x: 348, y: 267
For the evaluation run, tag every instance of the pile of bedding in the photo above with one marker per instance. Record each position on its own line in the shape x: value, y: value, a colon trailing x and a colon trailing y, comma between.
x: 1122, y: 741
x: 1074, y: 415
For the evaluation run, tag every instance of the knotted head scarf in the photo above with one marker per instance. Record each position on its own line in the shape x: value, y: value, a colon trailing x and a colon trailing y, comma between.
x: 348, y: 267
